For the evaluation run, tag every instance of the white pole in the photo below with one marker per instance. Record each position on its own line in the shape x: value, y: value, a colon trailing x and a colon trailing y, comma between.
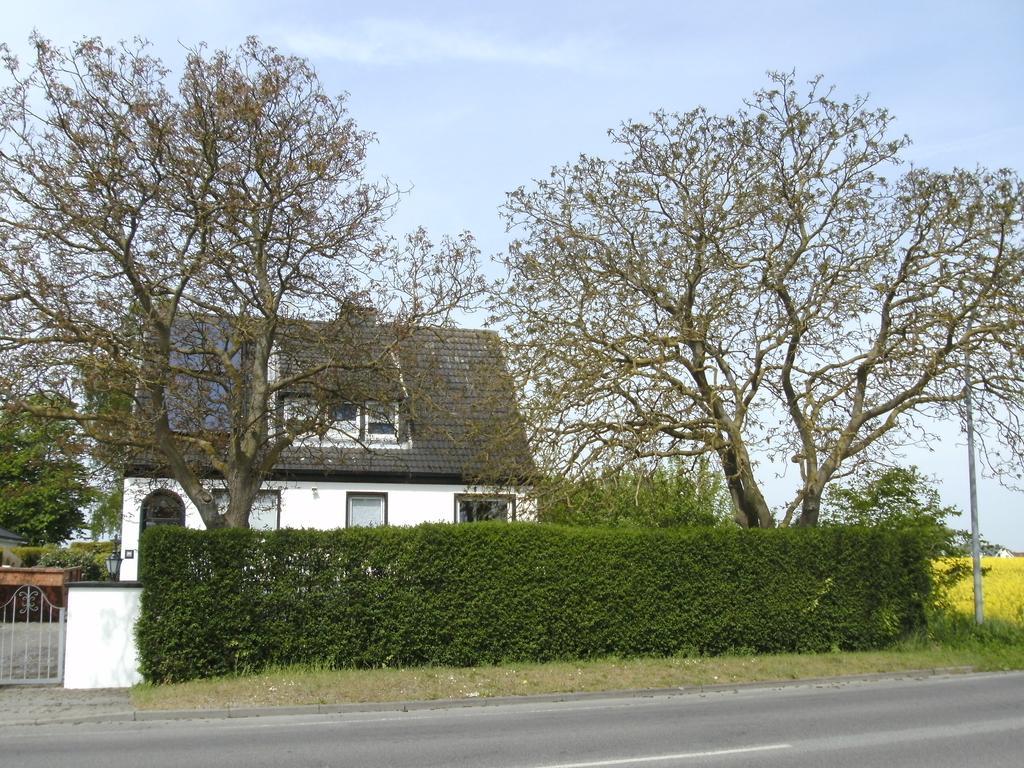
x: 979, y: 600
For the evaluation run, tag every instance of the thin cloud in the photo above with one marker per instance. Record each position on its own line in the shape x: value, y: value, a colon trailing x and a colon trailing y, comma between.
x: 969, y: 143
x: 389, y: 42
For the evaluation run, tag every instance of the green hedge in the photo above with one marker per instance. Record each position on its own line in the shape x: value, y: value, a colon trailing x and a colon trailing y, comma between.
x: 222, y: 601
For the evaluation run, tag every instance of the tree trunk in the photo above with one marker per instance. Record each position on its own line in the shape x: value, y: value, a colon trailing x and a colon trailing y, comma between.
x: 212, y: 518
x: 810, y: 509
x: 751, y: 508
x: 242, y: 489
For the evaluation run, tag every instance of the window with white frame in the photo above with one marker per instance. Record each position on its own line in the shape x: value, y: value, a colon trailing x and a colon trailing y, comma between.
x: 265, y: 514
x: 366, y: 509
x: 380, y: 421
x: 476, y: 507
x: 370, y: 422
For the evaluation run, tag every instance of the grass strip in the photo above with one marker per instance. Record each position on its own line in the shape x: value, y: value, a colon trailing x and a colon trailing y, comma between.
x: 299, y: 686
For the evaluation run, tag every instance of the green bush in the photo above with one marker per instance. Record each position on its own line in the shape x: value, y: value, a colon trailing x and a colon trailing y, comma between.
x: 224, y: 601
x: 29, y: 556
x: 673, y: 494
x: 89, y: 556
x: 956, y: 630
x: 95, y: 548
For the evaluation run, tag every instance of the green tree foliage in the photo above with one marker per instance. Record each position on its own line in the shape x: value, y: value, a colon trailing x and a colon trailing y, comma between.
x: 105, y: 518
x: 896, y: 497
x: 673, y: 494
x: 44, y: 485
x: 901, y: 498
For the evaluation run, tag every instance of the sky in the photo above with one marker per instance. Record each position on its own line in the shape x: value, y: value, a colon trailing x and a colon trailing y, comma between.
x: 470, y: 100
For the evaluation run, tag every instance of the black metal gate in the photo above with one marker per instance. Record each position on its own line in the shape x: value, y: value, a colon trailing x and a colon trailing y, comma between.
x: 32, y: 632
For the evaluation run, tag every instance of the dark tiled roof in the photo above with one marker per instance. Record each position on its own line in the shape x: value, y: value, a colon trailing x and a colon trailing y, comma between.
x: 362, y: 356
x: 458, y: 417
x: 459, y: 408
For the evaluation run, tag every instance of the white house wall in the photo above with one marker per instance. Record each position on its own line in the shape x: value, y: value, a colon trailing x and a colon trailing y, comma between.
x: 305, y: 504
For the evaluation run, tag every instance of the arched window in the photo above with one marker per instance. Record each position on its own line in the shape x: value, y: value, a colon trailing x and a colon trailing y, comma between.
x: 162, y: 507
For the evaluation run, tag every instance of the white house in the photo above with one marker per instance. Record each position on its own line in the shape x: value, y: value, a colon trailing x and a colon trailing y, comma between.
x: 436, y: 439
x: 9, y: 539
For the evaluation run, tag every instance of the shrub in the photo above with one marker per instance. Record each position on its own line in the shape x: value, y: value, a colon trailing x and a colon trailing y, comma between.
x: 96, y: 548
x: 957, y: 630
x: 671, y: 494
x: 29, y: 556
x: 91, y: 559
x: 228, y: 600
x: 90, y: 555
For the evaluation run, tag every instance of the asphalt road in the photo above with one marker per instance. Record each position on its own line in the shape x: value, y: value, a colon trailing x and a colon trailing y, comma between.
x: 934, y: 722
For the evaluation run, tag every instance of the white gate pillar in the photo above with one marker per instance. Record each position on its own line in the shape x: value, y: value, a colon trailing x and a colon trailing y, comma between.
x: 100, y: 648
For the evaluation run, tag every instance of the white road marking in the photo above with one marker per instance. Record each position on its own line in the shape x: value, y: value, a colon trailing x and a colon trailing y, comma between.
x: 677, y: 756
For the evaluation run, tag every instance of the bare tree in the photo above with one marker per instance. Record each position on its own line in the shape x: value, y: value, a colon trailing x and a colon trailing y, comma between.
x: 762, y: 285
x: 160, y: 248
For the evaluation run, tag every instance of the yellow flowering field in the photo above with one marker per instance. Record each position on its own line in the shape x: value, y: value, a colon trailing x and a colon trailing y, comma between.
x: 1002, y: 589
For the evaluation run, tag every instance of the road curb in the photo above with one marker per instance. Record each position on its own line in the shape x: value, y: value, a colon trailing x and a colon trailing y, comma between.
x: 154, y: 715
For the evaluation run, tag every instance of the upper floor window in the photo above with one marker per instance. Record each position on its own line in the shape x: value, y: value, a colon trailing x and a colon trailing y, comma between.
x: 205, y: 358
x: 380, y: 421
x: 370, y: 422
x: 366, y: 422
